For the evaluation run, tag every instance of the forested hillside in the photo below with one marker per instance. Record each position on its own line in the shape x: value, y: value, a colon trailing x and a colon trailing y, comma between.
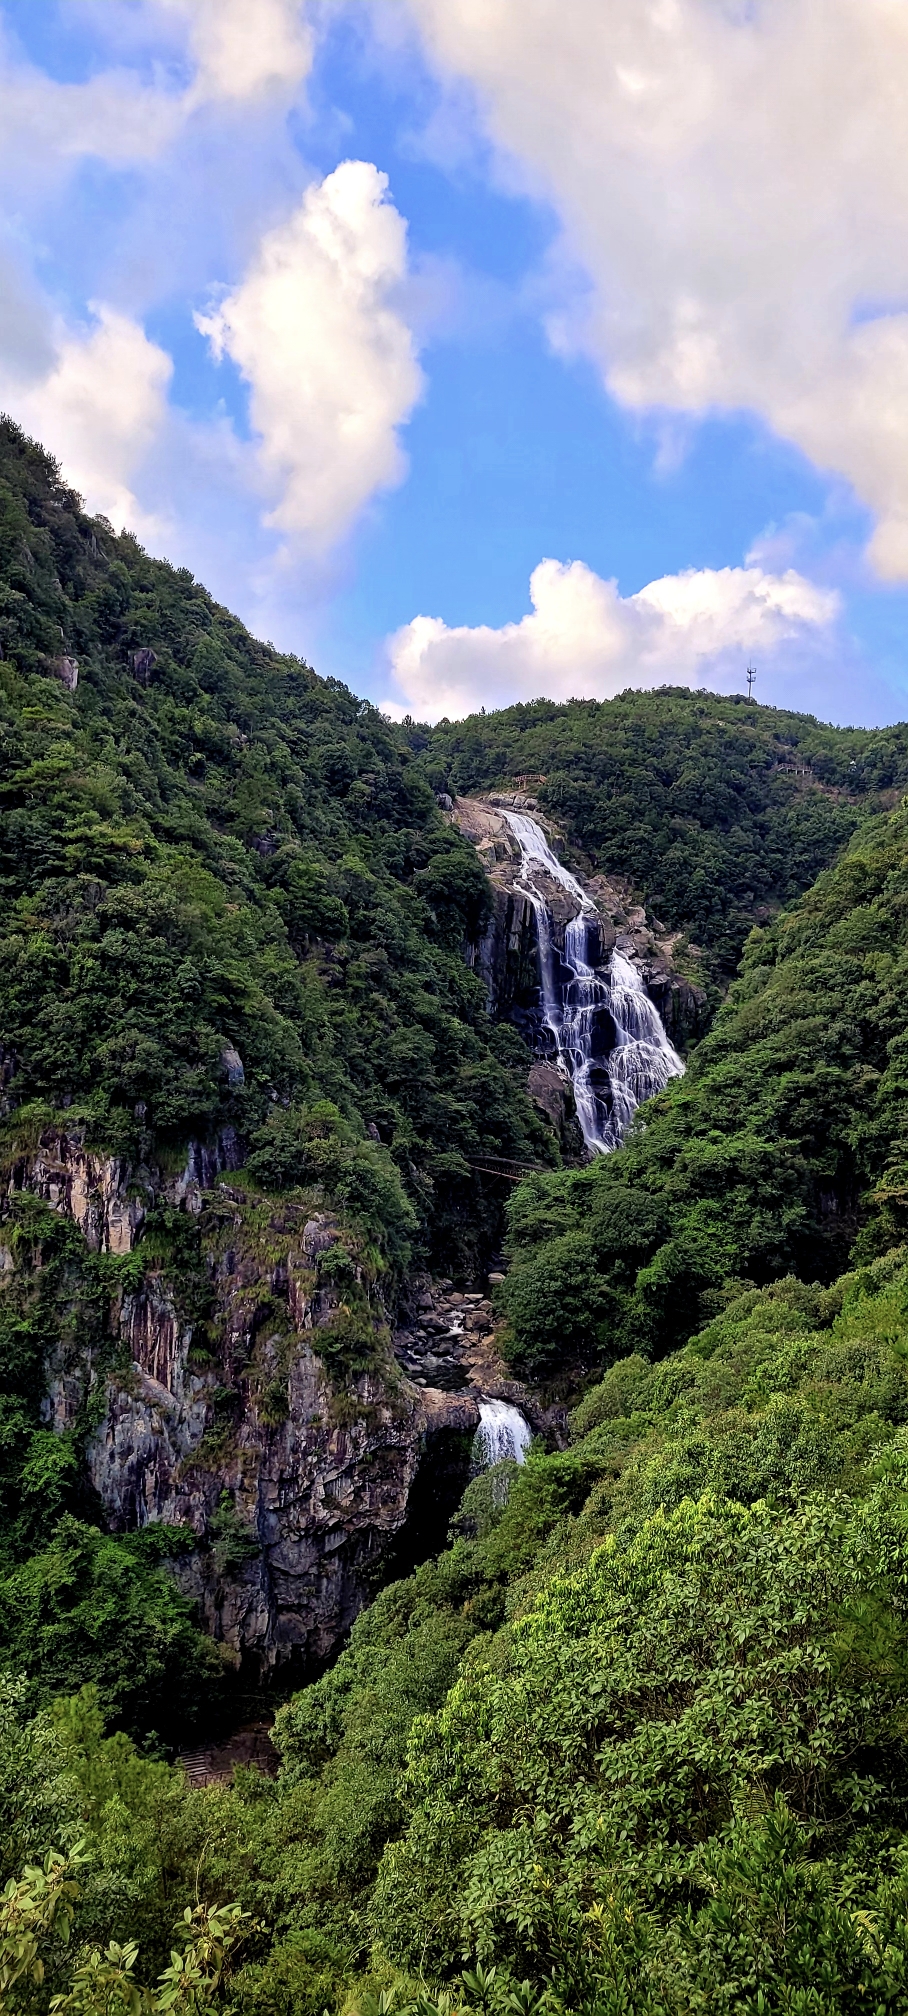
x: 231, y: 917
x: 784, y: 1148
x: 634, y: 1744
x: 228, y: 895
x: 716, y: 809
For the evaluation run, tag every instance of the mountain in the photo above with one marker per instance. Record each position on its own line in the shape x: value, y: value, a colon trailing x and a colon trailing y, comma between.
x: 246, y: 1076
x: 630, y: 1734
x: 228, y: 893
x: 714, y: 810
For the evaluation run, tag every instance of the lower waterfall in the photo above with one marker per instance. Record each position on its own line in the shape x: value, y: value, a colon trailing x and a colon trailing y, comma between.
x: 604, y: 1025
x: 502, y: 1433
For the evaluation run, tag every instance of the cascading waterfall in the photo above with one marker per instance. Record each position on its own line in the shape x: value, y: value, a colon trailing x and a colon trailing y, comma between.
x: 579, y: 1001
x: 502, y: 1433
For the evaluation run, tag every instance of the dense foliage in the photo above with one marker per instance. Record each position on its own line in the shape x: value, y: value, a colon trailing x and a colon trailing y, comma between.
x: 785, y: 1140
x: 230, y: 927
x: 227, y: 888
x: 636, y: 1742
x: 715, y: 809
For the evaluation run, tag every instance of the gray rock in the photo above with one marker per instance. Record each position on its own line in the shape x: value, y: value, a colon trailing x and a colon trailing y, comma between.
x: 324, y: 1497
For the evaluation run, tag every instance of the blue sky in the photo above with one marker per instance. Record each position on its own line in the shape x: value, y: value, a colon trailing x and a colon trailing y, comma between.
x: 481, y: 349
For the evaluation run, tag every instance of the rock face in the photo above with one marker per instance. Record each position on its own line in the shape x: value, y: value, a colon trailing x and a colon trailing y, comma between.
x: 90, y: 1189
x: 293, y: 1472
x: 143, y: 664
x: 505, y: 956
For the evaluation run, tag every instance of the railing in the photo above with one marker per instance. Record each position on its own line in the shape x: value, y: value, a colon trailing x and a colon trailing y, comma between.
x: 510, y: 1172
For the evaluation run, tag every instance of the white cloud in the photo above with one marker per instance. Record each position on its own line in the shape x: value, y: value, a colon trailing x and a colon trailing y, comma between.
x: 585, y: 641
x: 245, y: 47
x: 316, y: 330
x: 98, y: 408
x: 733, y: 177
x: 47, y: 126
x: 200, y: 53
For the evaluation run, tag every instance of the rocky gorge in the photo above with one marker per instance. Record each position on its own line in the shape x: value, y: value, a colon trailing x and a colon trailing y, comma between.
x: 291, y: 1468
x: 294, y: 1465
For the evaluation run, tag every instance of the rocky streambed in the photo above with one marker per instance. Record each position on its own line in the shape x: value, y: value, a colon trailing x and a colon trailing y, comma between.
x: 445, y: 1336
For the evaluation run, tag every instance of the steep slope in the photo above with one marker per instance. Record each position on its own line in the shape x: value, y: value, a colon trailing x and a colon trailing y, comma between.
x: 636, y: 1741
x: 227, y: 891
x: 782, y: 1150
x: 246, y: 1076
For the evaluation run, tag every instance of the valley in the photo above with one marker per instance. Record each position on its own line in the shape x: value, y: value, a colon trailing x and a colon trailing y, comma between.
x: 453, y: 1317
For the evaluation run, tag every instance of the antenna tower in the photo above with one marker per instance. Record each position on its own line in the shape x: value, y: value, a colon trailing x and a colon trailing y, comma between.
x: 751, y: 675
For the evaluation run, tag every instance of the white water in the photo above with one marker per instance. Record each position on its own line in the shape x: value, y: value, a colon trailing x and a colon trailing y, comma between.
x: 502, y: 1433
x: 574, y: 994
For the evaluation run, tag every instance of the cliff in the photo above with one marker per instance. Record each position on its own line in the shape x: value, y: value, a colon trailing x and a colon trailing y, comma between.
x: 243, y: 1386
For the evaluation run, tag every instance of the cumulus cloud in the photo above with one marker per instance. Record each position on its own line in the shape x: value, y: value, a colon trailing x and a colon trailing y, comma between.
x: 99, y: 406
x: 584, y: 640
x: 316, y: 329
x: 733, y: 179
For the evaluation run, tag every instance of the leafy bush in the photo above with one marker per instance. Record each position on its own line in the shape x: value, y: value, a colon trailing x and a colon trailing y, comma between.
x: 89, y: 1608
x: 721, y: 1664
x: 315, y: 1146
x: 233, y: 1544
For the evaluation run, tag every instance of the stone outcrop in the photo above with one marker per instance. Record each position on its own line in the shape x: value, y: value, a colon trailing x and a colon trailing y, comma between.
x: 293, y: 1482
x: 143, y: 664
x: 448, y: 1340
x: 552, y: 1095
x: 105, y: 1196
x: 93, y: 1190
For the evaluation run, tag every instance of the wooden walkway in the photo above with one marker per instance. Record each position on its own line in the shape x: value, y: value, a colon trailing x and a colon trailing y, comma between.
x: 215, y: 1763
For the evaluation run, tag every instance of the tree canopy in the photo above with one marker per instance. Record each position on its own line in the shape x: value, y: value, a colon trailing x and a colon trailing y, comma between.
x: 781, y: 1150
x: 715, y: 809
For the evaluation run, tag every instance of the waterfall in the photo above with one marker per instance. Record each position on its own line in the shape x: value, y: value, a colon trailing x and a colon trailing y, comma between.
x: 608, y: 1035
x: 502, y: 1433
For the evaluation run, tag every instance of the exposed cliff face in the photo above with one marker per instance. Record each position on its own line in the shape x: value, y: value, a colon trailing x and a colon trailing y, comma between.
x: 290, y: 1462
